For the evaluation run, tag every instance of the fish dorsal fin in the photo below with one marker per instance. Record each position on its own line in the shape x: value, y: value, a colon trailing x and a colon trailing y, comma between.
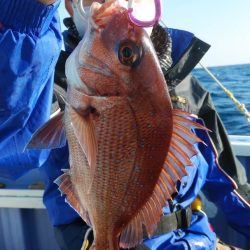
x: 50, y: 135
x: 66, y: 187
x: 180, y: 151
x: 84, y: 129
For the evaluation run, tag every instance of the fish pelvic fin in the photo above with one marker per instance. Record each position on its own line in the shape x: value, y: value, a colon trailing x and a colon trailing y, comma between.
x: 84, y: 129
x: 50, y: 135
x: 60, y: 94
x: 66, y: 187
x: 180, y: 151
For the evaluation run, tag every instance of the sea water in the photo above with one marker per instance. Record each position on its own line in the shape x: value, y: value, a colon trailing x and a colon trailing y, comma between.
x: 236, y: 78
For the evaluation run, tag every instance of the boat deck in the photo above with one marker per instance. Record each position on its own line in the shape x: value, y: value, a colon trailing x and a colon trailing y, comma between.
x: 24, y: 223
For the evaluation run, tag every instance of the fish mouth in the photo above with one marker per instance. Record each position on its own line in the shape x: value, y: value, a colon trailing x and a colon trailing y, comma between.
x: 102, y: 13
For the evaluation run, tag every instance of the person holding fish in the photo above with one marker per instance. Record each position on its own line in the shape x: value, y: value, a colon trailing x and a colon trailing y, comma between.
x: 136, y: 163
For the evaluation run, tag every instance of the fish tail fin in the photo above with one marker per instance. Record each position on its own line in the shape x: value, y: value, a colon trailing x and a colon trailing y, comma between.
x: 106, y: 242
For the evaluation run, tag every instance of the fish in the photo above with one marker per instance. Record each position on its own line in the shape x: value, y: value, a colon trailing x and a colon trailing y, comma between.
x: 128, y: 147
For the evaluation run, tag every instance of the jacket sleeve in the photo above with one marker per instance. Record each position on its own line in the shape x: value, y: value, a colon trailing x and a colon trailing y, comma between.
x: 225, y: 174
x: 221, y: 189
x: 30, y: 43
x: 226, y: 158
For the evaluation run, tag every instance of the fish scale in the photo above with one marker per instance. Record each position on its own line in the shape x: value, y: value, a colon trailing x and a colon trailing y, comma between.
x: 102, y: 185
x: 148, y: 155
x: 120, y: 131
x: 111, y: 127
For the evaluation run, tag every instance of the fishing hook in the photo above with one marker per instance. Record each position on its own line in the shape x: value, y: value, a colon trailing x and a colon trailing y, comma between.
x: 156, y: 19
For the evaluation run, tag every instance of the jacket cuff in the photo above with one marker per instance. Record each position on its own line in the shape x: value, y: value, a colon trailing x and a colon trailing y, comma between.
x: 26, y: 16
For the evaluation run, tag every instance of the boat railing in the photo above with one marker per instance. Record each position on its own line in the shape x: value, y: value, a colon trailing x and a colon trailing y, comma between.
x: 240, y: 145
x: 15, y: 197
x: 21, y: 198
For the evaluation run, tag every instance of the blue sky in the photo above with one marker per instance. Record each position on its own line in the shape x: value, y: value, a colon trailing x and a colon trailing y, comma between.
x: 224, y: 24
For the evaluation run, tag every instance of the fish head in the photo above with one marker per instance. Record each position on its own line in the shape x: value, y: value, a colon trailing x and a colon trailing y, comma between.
x: 115, y: 57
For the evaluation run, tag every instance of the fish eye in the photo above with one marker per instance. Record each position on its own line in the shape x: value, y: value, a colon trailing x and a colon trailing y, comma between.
x: 129, y: 53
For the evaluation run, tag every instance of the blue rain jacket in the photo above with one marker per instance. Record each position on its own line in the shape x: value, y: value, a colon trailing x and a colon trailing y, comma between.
x: 207, y: 175
x: 30, y: 43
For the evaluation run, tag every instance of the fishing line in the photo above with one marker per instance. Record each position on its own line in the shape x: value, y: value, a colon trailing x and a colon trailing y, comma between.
x: 85, y: 241
x: 80, y: 8
x: 241, y: 107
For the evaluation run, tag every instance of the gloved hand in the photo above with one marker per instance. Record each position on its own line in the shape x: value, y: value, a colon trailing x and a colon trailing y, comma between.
x: 71, y: 236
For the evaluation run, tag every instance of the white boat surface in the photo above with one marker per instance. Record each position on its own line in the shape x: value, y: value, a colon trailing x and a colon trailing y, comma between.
x: 24, y: 224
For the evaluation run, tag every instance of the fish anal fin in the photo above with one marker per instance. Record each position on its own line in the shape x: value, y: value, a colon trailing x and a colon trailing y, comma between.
x: 84, y: 129
x: 50, y: 135
x: 66, y: 187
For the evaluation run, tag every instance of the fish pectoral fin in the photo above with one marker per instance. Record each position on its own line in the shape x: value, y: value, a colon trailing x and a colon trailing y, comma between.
x: 84, y: 129
x: 50, y: 135
x: 180, y: 151
x: 66, y: 187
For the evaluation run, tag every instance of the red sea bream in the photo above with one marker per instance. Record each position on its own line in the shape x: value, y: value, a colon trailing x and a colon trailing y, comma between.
x: 128, y: 146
